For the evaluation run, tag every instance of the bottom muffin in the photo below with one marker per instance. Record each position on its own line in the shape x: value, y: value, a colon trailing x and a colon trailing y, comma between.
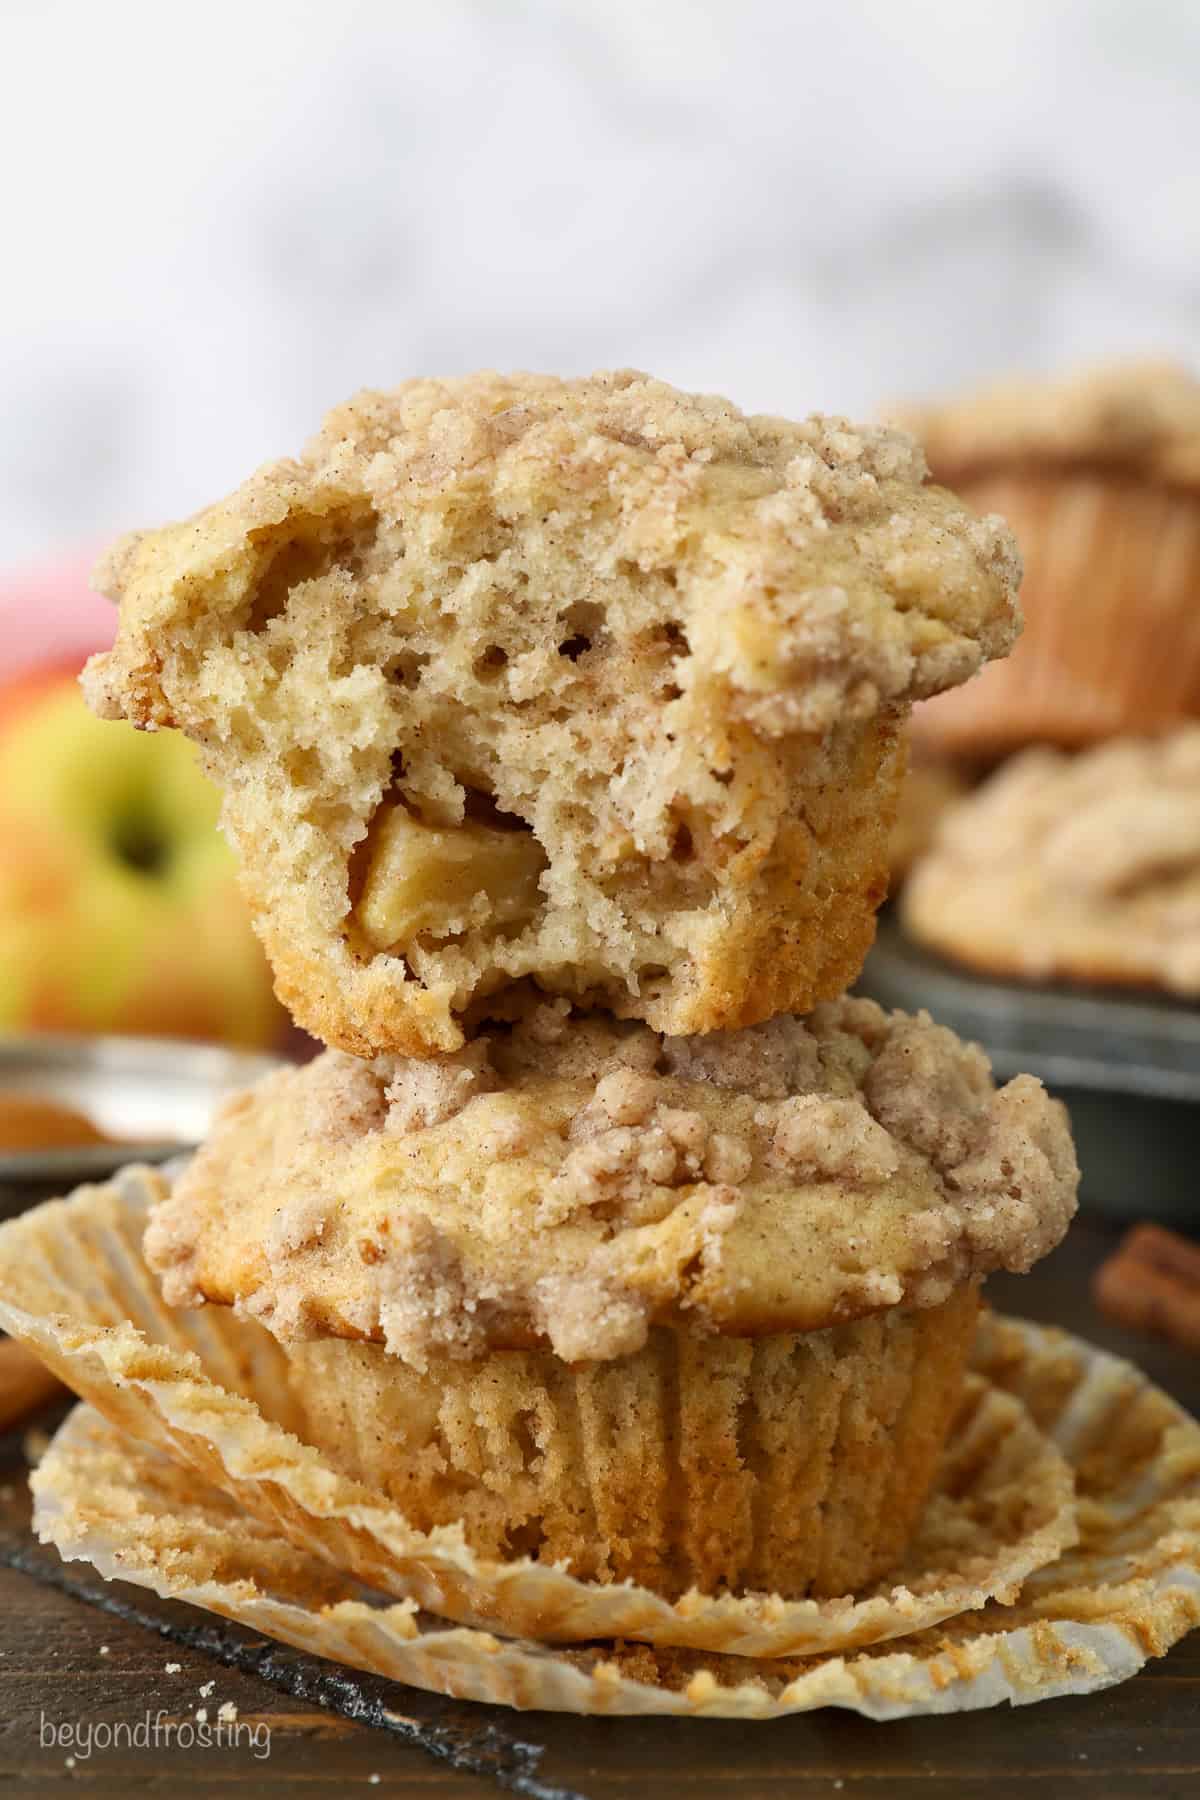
x: 796, y: 1463
x: 692, y: 1311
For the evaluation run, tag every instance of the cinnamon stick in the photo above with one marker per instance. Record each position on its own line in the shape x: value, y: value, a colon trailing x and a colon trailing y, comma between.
x: 1152, y: 1283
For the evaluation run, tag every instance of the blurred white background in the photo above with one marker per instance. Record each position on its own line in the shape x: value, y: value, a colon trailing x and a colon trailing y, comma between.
x: 222, y: 218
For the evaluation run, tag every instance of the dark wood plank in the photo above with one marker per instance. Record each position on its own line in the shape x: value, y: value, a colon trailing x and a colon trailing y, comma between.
x: 332, y: 1729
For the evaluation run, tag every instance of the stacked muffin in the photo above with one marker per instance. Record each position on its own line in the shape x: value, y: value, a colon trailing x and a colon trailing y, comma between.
x: 559, y: 728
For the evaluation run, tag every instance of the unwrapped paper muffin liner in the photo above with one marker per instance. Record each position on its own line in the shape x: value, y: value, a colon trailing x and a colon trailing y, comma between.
x: 211, y: 1390
x: 1111, y: 644
x: 1126, y: 1593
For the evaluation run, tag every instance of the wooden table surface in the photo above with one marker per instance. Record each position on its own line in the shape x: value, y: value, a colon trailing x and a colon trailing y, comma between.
x: 76, y: 1651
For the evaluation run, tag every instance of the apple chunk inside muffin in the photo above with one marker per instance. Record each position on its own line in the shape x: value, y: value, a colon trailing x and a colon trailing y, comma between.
x: 438, y: 881
x: 590, y: 683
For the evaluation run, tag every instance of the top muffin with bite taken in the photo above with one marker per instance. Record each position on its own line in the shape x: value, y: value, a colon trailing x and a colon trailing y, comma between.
x: 588, y: 682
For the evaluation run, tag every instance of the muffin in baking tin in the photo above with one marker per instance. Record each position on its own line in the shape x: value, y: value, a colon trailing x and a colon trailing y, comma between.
x: 1078, y: 868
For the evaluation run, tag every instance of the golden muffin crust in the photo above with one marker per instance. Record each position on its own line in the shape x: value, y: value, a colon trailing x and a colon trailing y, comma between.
x: 1085, y: 868
x: 1136, y: 417
x: 573, y: 1181
x: 588, y: 681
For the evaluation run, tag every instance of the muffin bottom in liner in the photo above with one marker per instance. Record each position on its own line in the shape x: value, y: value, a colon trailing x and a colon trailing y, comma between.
x: 1092, y: 1618
x: 1111, y: 644
x: 797, y: 1462
x: 212, y: 1390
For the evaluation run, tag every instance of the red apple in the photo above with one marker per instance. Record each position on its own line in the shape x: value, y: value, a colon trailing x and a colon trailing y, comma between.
x: 119, y: 909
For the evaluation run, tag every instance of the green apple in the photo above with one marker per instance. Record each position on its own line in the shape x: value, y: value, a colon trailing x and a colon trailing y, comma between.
x: 119, y: 909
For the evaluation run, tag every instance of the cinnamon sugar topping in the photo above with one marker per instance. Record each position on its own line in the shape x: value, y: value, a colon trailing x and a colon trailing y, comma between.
x: 574, y: 1189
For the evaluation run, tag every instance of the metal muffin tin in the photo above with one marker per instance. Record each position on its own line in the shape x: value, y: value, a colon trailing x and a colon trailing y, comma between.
x: 160, y: 1093
x: 1127, y: 1065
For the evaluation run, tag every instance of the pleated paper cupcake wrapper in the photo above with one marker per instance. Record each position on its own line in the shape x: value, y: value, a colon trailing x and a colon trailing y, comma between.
x: 1112, y: 632
x: 211, y: 1390
x: 1126, y: 1592
x: 795, y: 1464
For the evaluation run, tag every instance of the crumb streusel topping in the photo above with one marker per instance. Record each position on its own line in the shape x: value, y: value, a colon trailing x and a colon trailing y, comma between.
x: 1085, y: 867
x: 571, y: 1181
